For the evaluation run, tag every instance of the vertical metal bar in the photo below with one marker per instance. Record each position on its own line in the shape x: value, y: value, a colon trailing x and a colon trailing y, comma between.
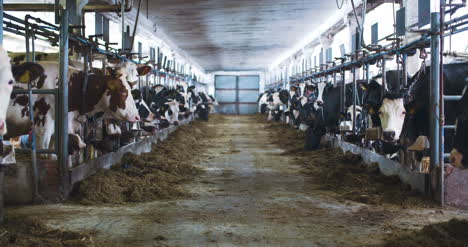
x: 384, y: 76
x: 122, y: 13
x: 434, y: 92
x: 441, y: 103
x: 2, y: 173
x: 1, y: 43
x: 405, y: 69
x: 354, y: 100
x: 35, y: 175
x: 2, y: 202
x: 237, y: 95
x: 343, y: 92
x: 367, y: 74
x: 63, y: 106
x: 26, y: 35
x: 33, y: 46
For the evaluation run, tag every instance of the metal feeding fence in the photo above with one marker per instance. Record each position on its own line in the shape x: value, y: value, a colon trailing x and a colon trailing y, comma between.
x: 432, y: 38
x: 68, y: 31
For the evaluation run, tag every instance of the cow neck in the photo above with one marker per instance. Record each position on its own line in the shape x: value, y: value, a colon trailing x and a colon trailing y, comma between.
x: 94, y: 93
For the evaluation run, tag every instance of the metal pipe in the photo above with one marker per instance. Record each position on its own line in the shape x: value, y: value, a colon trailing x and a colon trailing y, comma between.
x: 135, y: 29
x: 434, y: 92
x: 27, y: 32
x: 343, y: 92
x: 1, y: 42
x: 384, y: 76
x: 405, y: 69
x: 36, y: 91
x: 441, y: 102
x: 45, y: 7
x: 63, y: 106
x: 2, y: 203
x: 122, y: 13
x: 452, y: 97
x: 367, y: 74
x: 354, y: 100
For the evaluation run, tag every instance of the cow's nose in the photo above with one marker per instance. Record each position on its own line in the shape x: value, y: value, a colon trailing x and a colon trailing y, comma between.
x: 389, y: 135
x: 137, y: 118
x: 319, y: 102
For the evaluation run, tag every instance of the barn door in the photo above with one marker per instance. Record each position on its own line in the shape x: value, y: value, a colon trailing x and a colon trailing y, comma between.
x: 237, y: 94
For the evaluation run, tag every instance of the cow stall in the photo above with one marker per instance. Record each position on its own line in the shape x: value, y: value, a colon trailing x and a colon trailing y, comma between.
x: 44, y: 163
x: 386, y: 63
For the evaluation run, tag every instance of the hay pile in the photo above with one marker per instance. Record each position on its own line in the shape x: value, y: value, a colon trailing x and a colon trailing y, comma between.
x: 19, y: 232
x: 345, y: 173
x: 150, y: 176
x: 446, y: 234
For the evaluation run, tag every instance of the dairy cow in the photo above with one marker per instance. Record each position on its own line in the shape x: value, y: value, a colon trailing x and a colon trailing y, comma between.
x: 6, y: 86
x: 165, y: 104
x: 108, y: 94
x: 416, y: 123
x: 276, y: 101
x: 262, y: 101
x: 459, y: 152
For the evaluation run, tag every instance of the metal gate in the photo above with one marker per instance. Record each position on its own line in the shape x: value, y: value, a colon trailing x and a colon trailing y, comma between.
x: 237, y: 94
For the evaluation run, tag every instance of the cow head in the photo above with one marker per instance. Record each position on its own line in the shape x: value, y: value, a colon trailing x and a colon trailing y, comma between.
x: 6, y: 86
x: 347, y: 119
x: 132, y: 71
x: 392, y: 116
x: 143, y: 109
x: 320, y: 89
x: 120, y: 105
x: 172, y: 113
x: 284, y: 96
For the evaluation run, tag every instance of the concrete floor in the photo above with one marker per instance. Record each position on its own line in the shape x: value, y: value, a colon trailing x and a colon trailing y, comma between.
x: 249, y: 196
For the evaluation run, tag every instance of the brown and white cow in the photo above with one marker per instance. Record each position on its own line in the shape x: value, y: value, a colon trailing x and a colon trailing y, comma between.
x: 108, y: 94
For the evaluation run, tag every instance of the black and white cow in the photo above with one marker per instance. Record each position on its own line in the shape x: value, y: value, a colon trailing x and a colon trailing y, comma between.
x: 165, y: 104
x: 417, y: 107
x: 262, y: 101
x: 459, y: 152
x: 276, y: 103
x: 6, y: 86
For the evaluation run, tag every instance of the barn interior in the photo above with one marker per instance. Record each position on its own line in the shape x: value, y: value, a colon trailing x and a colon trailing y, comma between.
x: 233, y: 123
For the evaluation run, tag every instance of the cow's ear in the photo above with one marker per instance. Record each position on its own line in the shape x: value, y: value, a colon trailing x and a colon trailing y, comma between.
x: 144, y: 70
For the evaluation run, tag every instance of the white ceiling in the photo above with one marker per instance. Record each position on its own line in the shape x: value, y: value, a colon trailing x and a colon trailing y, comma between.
x: 238, y: 34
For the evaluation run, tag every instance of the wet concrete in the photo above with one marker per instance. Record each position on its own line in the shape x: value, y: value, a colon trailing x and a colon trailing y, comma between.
x: 249, y: 196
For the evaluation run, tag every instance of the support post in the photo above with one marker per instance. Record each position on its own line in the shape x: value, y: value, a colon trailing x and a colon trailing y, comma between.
x: 63, y: 106
x: 384, y: 76
x: 354, y: 100
x: 2, y: 174
x: 122, y: 13
x: 405, y: 69
x: 441, y: 103
x: 1, y: 26
x: 2, y: 201
x: 343, y: 91
x: 435, y: 94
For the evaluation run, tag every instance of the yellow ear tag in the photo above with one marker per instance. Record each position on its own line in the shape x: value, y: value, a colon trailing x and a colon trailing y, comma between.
x: 371, y: 110
x: 25, y: 78
x: 363, y: 87
x: 412, y: 111
x: 112, y: 85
